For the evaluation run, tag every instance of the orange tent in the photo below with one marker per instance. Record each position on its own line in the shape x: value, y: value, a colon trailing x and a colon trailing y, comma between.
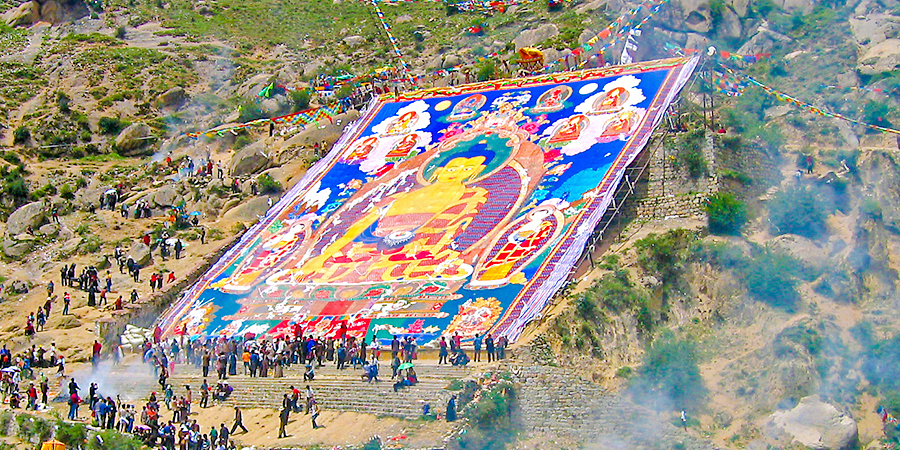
x: 53, y: 444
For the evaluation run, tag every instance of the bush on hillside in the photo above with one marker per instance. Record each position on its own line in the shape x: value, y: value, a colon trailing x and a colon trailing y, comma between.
x: 726, y: 213
x: 670, y: 377
x: 663, y: 255
x: 249, y: 110
x: 770, y: 277
x: 797, y: 210
x: 689, y: 152
x: 268, y: 185
x: 21, y: 135
x: 300, y: 99
x: 111, y: 125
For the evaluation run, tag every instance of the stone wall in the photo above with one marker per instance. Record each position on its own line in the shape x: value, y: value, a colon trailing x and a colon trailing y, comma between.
x: 668, y: 191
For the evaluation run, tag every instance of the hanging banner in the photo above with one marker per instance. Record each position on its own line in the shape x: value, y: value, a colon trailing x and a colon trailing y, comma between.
x: 441, y: 211
x: 783, y: 97
x: 305, y: 117
x: 393, y: 41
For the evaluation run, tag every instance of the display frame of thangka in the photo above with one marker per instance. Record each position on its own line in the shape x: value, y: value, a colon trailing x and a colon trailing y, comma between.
x: 447, y: 211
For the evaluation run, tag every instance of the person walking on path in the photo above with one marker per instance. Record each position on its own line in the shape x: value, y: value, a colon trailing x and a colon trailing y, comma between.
x: 489, y: 345
x: 315, y: 415
x: 285, y: 413
x: 442, y: 356
x: 238, y: 420
x: 66, y: 300
x: 477, y: 344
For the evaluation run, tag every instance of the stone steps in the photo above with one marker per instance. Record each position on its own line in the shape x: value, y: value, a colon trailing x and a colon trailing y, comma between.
x: 336, y: 390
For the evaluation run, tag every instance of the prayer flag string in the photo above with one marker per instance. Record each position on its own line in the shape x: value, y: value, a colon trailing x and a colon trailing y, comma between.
x: 783, y: 97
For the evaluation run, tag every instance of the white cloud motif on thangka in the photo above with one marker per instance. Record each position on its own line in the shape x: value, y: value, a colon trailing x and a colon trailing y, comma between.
x: 393, y: 149
x: 606, y: 116
x: 315, y: 197
x: 616, y: 95
x: 515, y: 98
x: 409, y: 118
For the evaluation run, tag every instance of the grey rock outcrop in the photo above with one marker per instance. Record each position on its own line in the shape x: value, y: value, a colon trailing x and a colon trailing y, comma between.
x: 16, y: 249
x: 530, y: 38
x: 164, y: 197
x: 881, y: 172
x: 30, y: 215
x: 129, y: 142
x: 883, y: 57
x: 249, y: 160
x: 140, y: 253
x: 51, y: 12
x: 25, y: 14
x: 173, y: 97
x: 815, y: 424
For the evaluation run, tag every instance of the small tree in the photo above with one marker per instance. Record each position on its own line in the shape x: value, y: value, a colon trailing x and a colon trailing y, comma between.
x: 670, y: 377
x: 726, y: 213
x: 21, y: 135
x: 486, y: 70
x: 300, y: 99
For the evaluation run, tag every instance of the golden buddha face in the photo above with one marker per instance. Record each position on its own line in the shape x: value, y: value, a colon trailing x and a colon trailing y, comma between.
x: 459, y: 170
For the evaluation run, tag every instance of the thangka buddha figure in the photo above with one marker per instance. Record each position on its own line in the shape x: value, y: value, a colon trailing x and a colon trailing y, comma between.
x: 612, y: 102
x: 407, y: 235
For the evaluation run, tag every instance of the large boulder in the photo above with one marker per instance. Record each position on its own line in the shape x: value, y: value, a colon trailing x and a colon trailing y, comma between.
x: 249, y: 211
x: 883, y: 57
x: 354, y: 41
x: 129, y: 142
x: 763, y: 41
x: 25, y: 14
x: 163, y: 197
x: 30, y: 215
x: 880, y: 171
x: 815, y: 424
x: 140, y: 253
x: 249, y: 160
x: 16, y: 249
x: 51, y: 12
x: 530, y: 38
x: 172, y: 97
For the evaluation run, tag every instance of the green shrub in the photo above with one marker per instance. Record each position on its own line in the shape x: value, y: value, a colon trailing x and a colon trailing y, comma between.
x: 21, y: 135
x: 798, y: 335
x: 669, y: 378
x: 876, y: 113
x: 249, y: 110
x: 73, y: 435
x: 486, y: 70
x: 67, y: 192
x: 111, y: 125
x: 120, y: 32
x: 663, y: 255
x: 689, y: 152
x: 33, y: 429
x: 300, y: 99
x: 726, y: 213
x: 90, y: 244
x: 797, y: 210
x: 63, y: 102
x: 770, y: 278
x: 268, y: 185
x: 11, y: 157
x: 113, y: 440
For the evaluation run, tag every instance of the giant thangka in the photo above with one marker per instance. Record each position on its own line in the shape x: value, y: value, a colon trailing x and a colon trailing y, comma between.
x: 456, y: 210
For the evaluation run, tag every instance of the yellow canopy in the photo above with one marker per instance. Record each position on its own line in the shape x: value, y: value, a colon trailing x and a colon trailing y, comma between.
x: 53, y: 444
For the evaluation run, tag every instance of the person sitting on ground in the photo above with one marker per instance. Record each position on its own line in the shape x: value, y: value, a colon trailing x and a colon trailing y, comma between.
x: 459, y: 358
x: 309, y: 374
